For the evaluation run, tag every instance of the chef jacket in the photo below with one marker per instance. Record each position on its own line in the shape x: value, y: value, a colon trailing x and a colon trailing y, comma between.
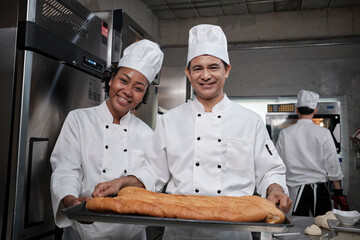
x: 224, y: 152
x: 91, y: 149
x: 309, y: 154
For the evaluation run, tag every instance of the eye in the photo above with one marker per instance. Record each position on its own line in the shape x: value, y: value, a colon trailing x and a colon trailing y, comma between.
x: 214, y: 67
x: 139, y: 89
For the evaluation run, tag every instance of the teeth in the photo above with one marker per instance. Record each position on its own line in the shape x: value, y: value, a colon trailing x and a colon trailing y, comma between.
x: 123, y: 100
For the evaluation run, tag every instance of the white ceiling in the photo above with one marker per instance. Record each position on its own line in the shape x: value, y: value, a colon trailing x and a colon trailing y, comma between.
x: 172, y: 9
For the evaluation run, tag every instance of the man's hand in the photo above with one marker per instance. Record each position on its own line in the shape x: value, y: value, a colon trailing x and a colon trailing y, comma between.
x: 340, y: 200
x: 275, y: 194
x: 112, y: 187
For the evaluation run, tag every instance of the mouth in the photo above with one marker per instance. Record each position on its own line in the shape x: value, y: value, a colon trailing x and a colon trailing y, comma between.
x: 206, y: 84
x: 123, y: 100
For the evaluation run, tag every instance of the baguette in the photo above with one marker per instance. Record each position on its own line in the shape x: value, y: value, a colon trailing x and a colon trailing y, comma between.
x: 132, y: 200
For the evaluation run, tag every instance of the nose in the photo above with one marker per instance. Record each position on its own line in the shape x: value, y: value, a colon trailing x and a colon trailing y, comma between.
x: 206, y: 75
x: 128, y: 91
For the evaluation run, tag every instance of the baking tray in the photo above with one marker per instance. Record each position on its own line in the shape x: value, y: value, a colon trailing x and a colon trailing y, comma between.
x: 337, y: 225
x: 80, y: 213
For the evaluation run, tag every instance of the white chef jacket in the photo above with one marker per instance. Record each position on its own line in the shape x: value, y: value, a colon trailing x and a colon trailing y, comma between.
x: 309, y: 154
x: 216, y: 153
x: 224, y: 152
x: 91, y: 149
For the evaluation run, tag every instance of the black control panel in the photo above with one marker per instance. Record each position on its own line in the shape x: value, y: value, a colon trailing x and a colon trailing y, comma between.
x: 87, y: 61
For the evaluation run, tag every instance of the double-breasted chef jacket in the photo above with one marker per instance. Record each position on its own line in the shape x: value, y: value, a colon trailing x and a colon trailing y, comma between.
x: 309, y: 154
x: 91, y: 149
x: 224, y: 152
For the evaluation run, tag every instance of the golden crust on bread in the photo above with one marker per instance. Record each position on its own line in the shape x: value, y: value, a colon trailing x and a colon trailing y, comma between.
x: 132, y: 200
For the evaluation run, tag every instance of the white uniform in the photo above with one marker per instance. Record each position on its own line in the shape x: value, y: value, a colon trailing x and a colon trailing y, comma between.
x: 223, y: 152
x: 91, y: 149
x: 309, y: 154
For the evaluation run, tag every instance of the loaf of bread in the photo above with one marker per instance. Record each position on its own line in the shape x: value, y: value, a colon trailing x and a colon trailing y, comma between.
x: 132, y: 200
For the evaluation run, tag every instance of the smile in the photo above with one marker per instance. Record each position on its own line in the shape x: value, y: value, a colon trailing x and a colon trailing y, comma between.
x: 207, y: 84
x: 123, y: 100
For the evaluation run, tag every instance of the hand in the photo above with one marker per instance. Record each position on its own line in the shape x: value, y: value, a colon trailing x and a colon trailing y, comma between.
x: 70, y: 200
x: 112, y: 187
x: 340, y: 200
x: 275, y: 194
x: 107, y: 188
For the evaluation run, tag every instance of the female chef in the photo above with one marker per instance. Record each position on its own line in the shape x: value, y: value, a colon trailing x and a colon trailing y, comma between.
x: 102, y: 143
x: 210, y: 146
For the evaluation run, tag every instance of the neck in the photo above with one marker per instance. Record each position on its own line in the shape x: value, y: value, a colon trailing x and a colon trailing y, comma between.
x: 306, y: 116
x: 115, y: 114
x: 210, y: 103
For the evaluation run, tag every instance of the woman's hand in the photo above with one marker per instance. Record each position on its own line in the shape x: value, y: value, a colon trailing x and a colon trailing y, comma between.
x: 70, y: 200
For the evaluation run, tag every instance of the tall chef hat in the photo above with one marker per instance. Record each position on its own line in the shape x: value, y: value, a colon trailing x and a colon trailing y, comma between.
x: 207, y: 39
x: 307, y: 99
x: 144, y: 56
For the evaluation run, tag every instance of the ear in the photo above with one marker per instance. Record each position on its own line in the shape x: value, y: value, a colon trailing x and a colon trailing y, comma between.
x: 187, y: 73
x: 315, y: 111
x: 227, y: 70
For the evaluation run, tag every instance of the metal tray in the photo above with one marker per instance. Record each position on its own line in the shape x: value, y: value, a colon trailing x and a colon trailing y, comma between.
x: 80, y: 213
x: 337, y: 225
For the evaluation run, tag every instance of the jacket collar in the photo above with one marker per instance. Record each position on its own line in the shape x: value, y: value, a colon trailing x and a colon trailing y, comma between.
x: 106, y: 115
x: 304, y: 121
x: 217, y: 108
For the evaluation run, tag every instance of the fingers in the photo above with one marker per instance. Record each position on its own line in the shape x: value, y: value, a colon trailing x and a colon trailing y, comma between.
x: 281, y: 200
x: 104, y: 189
x: 84, y: 199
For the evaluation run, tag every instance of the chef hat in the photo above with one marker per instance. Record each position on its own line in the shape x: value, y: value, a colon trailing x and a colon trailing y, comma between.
x: 144, y: 56
x: 307, y: 99
x: 207, y: 39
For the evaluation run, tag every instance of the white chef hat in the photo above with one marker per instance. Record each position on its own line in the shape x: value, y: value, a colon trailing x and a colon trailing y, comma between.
x: 144, y: 56
x: 207, y: 39
x: 307, y: 99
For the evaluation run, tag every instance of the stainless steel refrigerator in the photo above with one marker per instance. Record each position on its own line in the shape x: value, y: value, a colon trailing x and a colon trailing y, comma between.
x: 53, y: 55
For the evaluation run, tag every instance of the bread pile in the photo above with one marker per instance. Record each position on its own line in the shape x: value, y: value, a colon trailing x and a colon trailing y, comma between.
x: 132, y: 200
x: 320, y: 222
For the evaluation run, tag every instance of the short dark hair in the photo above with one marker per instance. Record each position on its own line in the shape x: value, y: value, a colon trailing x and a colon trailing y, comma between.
x: 188, y: 66
x: 112, y: 71
x: 305, y: 110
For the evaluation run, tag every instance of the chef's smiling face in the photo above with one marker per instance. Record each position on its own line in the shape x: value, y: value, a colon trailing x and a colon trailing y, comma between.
x: 127, y: 89
x: 207, y: 76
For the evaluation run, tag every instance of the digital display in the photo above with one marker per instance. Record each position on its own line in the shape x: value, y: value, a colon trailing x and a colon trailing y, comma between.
x: 275, y: 108
x: 93, y: 64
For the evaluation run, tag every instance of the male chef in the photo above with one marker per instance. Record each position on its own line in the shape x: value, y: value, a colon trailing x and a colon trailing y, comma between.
x: 211, y: 145
x: 309, y: 154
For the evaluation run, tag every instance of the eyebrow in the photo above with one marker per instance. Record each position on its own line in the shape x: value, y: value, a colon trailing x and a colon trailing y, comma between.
x: 137, y: 82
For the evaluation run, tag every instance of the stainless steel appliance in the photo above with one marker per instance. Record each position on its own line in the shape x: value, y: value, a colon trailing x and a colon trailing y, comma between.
x: 55, y: 66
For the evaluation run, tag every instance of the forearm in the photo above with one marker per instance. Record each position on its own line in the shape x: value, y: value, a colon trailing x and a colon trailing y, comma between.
x: 132, y: 181
x: 337, y: 184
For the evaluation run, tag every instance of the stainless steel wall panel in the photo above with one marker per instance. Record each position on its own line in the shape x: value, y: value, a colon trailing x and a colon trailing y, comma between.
x: 71, y: 21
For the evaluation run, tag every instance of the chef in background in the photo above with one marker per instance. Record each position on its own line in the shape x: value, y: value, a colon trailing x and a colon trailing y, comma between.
x: 309, y: 154
x: 210, y: 146
x: 102, y: 143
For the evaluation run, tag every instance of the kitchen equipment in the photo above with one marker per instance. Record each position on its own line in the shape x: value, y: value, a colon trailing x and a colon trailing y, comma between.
x: 58, y: 64
x: 80, y: 213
